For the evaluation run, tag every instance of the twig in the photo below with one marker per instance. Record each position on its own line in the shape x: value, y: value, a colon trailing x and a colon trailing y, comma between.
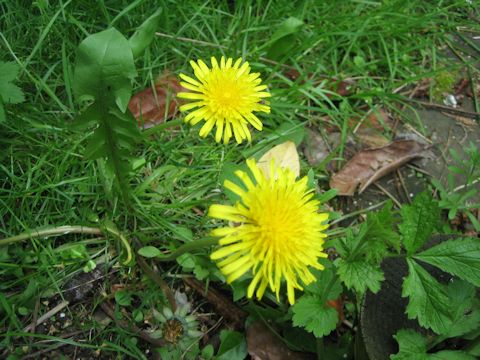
x: 47, y: 315
x: 130, y: 327
x: 465, y: 113
x: 403, y: 185
x: 157, y: 279
x: 386, y: 192
x: 223, y: 305
x: 61, y: 230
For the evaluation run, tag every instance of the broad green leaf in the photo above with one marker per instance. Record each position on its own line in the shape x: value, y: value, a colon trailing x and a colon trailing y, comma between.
x: 360, y: 275
x: 419, y: 221
x: 428, y: 300
x: 149, y: 251
x: 145, y: 33
x: 104, y: 69
x: 459, y: 257
x: 413, y: 346
x: 123, y: 298
x: 380, y: 234
x: 232, y: 347
x: 326, y: 280
x: 8, y: 71
x: 2, y: 111
x: 314, y: 315
x: 465, y: 311
x: 283, y: 40
x: 9, y: 93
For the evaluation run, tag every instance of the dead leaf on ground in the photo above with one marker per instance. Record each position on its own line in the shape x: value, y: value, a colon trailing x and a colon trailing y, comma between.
x: 315, y: 149
x: 370, y: 165
x: 338, y: 306
x: 151, y: 107
x: 262, y: 344
x: 284, y: 155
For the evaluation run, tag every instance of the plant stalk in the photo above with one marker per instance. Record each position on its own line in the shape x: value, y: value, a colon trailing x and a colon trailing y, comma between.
x: 193, y: 245
x: 55, y: 231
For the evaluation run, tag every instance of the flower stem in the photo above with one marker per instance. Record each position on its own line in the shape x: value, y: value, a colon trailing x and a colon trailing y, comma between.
x: 193, y: 245
x: 55, y: 231
x: 165, y: 125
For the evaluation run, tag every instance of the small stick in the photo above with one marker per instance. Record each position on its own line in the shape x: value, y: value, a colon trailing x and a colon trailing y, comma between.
x: 47, y: 315
x: 404, y: 187
x: 131, y: 327
x: 385, y: 191
x: 448, y: 109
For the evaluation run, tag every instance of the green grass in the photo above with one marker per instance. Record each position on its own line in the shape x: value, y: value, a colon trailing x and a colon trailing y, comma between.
x: 382, y: 46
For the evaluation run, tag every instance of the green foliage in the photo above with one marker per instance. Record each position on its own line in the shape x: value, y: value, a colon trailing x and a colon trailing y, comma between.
x: 311, y: 311
x: 360, y: 275
x: 459, y: 257
x: 103, y: 74
x: 284, y: 38
x: 413, y: 346
x: 314, y: 315
x: 457, y: 197
x: 464, y: 307
x: 145, y: 33
x: 419, y: 221
x: 149, y: 251
x: 9, y: 92
x: 428, y: 299
x: 232, y: 347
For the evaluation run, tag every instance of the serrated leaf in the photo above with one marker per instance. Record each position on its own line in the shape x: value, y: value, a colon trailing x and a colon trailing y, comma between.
x: 232, y: 347
x: 419, y: 220
x: 459, y: 257
x: 323, y: 282
x: 413, y: 346
x: 104, y: 69
x: 149, y: 251
x: 314, y: 315
x: 465, y: 311
x: 145, y: 33
x: 360, y: 275
x: 9, y: 93
x: 103, y: 73
x: 8, y: 71
x: 428, y: 300
x: 380, y: 234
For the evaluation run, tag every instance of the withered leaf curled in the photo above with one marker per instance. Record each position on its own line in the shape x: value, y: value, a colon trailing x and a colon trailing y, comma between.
x: 370, y: 165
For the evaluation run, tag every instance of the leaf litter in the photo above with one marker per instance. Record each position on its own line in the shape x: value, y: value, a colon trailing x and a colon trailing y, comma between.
x: 369, y: 165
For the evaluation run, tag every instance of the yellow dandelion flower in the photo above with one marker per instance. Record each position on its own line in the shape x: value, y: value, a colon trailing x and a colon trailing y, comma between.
x: 275, y: 230
x: 225, y: 96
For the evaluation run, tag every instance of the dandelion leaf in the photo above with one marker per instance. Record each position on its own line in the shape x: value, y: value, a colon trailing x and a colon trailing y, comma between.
x: 428, y: 299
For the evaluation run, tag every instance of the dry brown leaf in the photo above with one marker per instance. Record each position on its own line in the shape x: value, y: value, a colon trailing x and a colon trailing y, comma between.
x: 316, y: 149
x: 371, y: 138
x: 262, y: 344
x: 369, y: 165
x: 152, y: 108
x: 285, y: 155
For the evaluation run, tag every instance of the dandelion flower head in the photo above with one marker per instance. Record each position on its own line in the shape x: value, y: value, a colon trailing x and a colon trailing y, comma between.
x: 224, y: 96
x: 275, y: 231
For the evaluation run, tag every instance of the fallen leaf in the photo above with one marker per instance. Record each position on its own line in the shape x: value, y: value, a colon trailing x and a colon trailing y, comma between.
x: 316, y: 149
x: 284, y: 155
x: 337, y: 305
x: 262, y: 344
x: 371, y: 138
x: 369, y: 165
x: 151, y: 107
